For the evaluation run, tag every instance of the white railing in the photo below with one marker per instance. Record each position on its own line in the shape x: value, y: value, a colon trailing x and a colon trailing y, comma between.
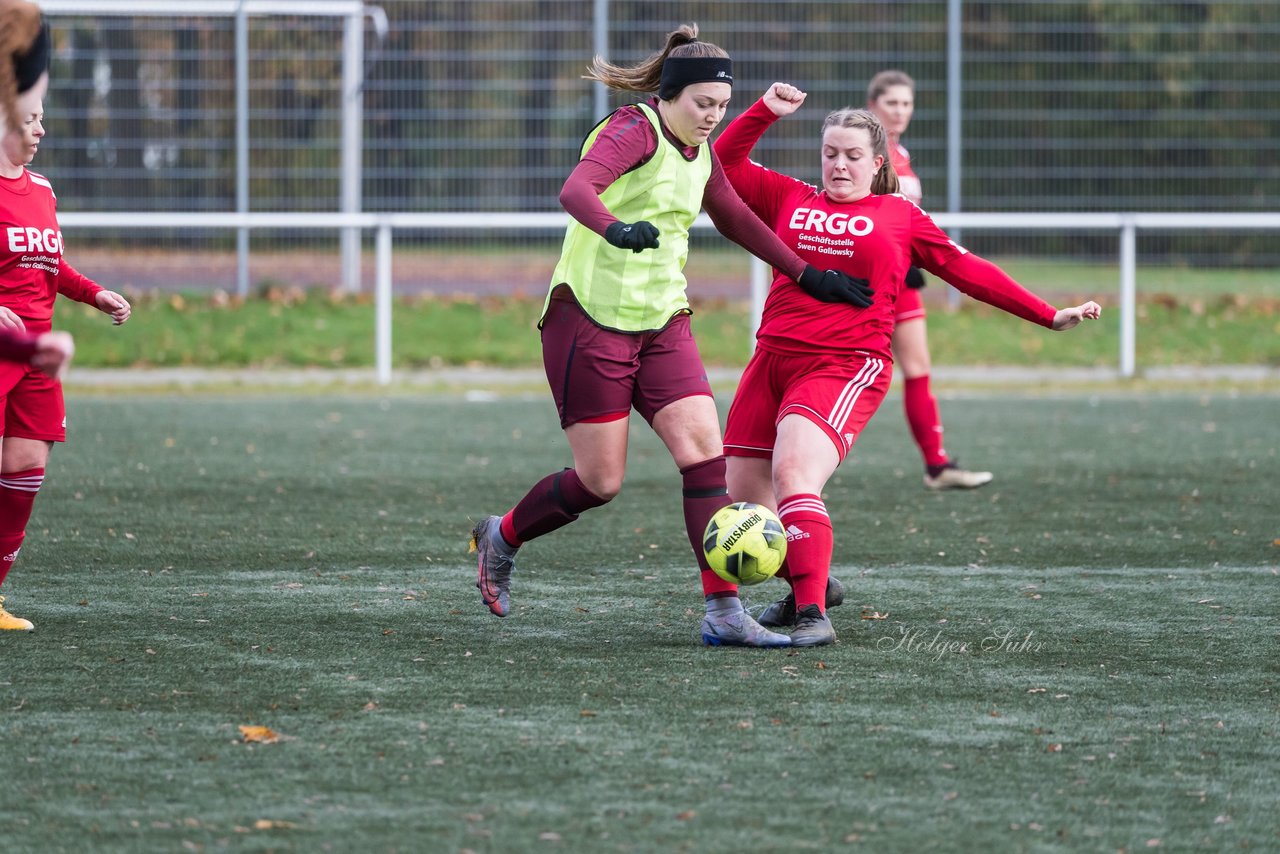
x: 1125, y: 225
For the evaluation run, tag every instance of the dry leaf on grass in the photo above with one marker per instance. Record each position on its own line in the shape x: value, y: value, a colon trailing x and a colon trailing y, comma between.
x: 875, y: 615
x: 259, y: 734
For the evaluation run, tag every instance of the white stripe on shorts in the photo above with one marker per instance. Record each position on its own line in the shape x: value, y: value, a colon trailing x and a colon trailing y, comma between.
x: 865, y: 378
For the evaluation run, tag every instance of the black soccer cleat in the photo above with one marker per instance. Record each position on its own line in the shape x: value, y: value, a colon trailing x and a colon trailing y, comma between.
x: 782, y: 613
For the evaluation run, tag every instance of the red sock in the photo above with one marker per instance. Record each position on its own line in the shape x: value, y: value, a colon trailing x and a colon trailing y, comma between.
x: 17, y: 497
x: 554, y: 502
x: 808, y: 527
x: 924, y: 420
x: 704, y: 494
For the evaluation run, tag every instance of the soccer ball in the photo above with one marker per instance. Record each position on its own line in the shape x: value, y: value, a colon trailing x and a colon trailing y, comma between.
x: 745, y: 543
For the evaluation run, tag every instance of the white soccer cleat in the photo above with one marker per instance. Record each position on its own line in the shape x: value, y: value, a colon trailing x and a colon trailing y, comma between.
x: 953, y: 477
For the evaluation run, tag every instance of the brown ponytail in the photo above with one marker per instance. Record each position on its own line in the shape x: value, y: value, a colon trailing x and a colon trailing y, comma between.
x: 19, y: 26
x: 647, y: 76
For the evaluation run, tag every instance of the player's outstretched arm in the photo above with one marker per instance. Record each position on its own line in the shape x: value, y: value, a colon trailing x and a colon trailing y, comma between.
x: 1067, y: 318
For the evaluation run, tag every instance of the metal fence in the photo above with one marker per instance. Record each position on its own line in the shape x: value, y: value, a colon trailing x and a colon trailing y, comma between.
x: 386, y: 225
x: 479, y: 105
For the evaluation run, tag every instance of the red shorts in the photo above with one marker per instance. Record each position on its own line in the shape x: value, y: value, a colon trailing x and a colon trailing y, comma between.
x: 599, y: 374
x: 910, y: 305
x: 31, y: 404
x: 837, y: 393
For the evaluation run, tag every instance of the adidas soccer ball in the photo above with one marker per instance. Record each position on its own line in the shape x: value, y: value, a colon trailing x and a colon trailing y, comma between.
x: 745, y: 543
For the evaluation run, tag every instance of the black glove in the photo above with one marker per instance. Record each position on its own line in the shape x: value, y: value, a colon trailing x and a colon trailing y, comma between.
x: 834, y: 286
x: 634, y: 236
x: 915, y: 278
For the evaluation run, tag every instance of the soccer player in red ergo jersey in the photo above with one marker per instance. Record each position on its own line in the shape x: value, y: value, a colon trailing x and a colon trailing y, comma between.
x: 820, y: 370
x: 32, y: 274
x: 24, y: 41
x: 891, y: 96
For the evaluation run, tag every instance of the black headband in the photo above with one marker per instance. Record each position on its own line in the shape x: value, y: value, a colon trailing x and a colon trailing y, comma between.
x: 679, y: 71
x: 27, y: 67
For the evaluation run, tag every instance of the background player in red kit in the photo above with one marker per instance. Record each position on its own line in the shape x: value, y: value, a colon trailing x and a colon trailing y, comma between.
x: 891, y: 95
x: 820, y: 371
x: 32, y: 274
x: 25, y: 49
x: 615, y: 326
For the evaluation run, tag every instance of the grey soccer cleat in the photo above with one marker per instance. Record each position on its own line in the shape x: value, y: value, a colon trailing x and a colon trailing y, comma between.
x: 738, y: 628
x: 813, y: 628
x: 951, y: 476
x: 782, y: 613
x: 497, y: 560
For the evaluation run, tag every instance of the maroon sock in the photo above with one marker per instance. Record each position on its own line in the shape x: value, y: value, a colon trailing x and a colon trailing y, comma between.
x: 923, y: 418
x: 808, y: 527
x: 554, y: 502
x: 17, y: 497
x: 704, y: 494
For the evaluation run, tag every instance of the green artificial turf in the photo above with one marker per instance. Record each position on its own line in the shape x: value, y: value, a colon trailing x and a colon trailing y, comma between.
x: 1080, y: 656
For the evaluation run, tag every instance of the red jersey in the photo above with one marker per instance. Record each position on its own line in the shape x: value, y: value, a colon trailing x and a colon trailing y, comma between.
x: 908, y: 184
x: 876, y: 238
x: 32, y: 270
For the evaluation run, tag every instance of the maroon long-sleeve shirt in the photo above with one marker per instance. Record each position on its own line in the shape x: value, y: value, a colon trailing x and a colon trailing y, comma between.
x: 16, y: 346
x: 627, y: 141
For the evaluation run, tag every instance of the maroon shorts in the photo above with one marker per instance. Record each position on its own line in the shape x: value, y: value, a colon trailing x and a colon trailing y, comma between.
x: 31, y: 404
x: 599, y: 374
x: 837, y: 393
x: 910, y: 305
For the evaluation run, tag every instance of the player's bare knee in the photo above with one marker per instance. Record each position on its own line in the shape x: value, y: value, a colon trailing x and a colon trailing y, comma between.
x: 603, y: 485
x: 791, y: 478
